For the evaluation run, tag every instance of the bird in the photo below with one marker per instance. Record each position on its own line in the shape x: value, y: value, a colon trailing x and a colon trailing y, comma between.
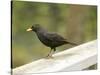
x: 49, y: 39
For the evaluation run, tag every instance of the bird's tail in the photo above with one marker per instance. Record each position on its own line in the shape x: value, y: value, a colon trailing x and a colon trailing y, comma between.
x: 71, y: 43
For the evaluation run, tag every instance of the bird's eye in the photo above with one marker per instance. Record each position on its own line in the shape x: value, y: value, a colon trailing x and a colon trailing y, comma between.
x: 32, y: 27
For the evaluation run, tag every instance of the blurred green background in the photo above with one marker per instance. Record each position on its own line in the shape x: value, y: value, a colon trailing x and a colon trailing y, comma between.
x: 77, y: 23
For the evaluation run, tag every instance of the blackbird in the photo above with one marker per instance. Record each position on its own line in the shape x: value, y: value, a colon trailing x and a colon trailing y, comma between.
x: 49, y: 39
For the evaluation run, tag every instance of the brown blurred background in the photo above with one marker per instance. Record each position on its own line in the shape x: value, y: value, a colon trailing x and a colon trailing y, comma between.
x: 77, y: 23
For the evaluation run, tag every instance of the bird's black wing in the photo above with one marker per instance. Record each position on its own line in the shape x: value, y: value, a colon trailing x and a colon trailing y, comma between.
x: 55, y: 37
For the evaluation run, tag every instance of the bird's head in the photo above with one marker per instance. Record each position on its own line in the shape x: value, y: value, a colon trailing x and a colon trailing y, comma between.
x: 34, y: 27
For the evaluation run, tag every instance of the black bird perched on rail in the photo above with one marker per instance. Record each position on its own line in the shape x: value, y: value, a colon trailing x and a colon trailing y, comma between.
x: 49, y: 39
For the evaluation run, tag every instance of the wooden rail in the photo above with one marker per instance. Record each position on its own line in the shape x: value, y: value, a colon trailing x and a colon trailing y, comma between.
x: 73, y: 59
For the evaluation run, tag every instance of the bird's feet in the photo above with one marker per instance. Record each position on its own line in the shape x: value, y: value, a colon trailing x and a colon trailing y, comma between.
x: 49, y: 57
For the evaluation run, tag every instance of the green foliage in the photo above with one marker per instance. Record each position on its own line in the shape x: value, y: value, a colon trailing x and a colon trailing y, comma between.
x: 54, y: 17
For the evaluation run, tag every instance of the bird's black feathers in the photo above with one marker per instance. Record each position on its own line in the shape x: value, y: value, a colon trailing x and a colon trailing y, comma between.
x: 49, y: 39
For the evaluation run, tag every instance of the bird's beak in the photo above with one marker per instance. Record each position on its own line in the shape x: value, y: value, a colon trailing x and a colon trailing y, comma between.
x: 29, y: 29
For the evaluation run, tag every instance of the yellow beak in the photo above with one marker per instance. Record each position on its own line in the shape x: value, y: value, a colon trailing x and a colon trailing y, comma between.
x: 29, y: 29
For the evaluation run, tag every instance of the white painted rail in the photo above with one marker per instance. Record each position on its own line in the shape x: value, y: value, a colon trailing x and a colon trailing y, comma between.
x: 73, y: 59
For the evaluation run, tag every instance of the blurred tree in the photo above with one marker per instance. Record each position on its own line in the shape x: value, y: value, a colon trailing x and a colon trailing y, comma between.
x: 76, y: 22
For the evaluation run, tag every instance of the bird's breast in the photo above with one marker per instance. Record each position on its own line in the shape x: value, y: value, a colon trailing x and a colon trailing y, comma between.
x: 42, y: 37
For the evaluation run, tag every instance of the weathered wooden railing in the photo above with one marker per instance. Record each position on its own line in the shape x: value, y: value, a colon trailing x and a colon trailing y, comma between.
x: 73, y: 59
